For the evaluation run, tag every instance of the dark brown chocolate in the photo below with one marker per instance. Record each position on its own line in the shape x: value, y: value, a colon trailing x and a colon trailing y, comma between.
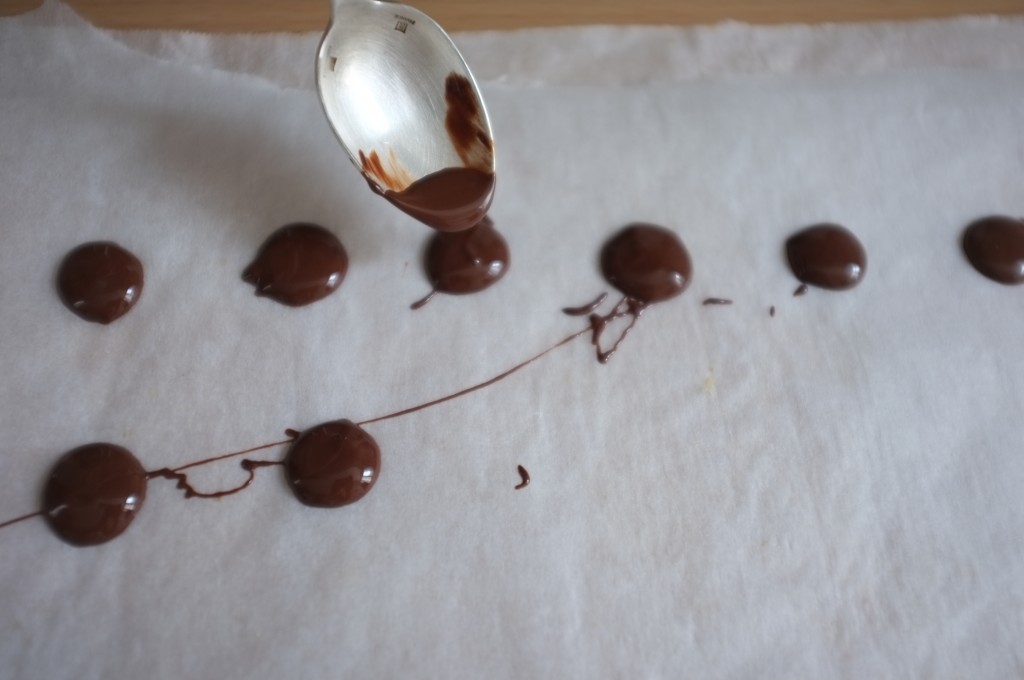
x: 647, y: 263
x: 587, y: 309
x: 298, y: 264
x: 716, y: 301
x: 181, y: 478
x: 451, y: 199
x: 827, y: 256
x: 994, y: 246
x: 94, y: 493
x: 524, y: 477
x: 332, y: 464
x: 100, y: 281
x: 465, y: 125
x: 463, y: 262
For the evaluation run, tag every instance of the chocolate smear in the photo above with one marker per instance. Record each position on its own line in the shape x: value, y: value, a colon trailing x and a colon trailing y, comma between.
x: 452, y: 198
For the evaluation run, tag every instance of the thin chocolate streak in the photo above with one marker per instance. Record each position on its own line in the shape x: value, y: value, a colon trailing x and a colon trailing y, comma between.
x: 523, y: 475
x: 771, y: 311
x: 626, y: 306
x: 249, y: 466
x: 292, y: 434
x: 800, y: 290
x: 479, y: 386
x: 586, y: 309
x: 422, y: 301
x: 716, y: 301
x: 37, y: 513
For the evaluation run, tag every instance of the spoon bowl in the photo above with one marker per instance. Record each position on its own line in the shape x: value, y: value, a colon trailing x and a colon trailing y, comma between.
x: 405, y: 107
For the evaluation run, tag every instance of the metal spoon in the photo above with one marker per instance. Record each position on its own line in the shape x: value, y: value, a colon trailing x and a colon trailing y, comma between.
x: 406, y: 109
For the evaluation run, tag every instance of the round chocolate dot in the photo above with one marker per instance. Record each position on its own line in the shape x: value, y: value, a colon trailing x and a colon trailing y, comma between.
x: 100, y: 281
x: 94, y: 493
x: 995, y: 247
x: 332, y: 464
x: 827, y: 256
x: 297, y: 265
x: 468, y: 261
x: 647, y: 262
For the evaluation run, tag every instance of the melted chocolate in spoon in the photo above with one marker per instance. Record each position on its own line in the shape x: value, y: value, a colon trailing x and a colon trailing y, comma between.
x: 297, y: 265
x: 995, y: 247
x: 332, y: 464
x: 100, y: 281
x: 453, y: 198
x: 463, y: 262
x: 827, y: 256
x: 93, y: 493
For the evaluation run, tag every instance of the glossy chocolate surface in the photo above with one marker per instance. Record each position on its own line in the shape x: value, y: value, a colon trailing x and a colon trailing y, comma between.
x: 451, y: 199
x: 298, y: 264
x: 469, y: 261
x: 93, y: 493
x: 994, y: 246
x: 647, y: 263
x: 100, y: 281
x: 827, y: 256
x: 332, y: 464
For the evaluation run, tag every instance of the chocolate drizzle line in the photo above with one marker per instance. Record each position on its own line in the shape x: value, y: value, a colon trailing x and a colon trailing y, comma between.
x: 37, y: 513
x: 524, y: 476
x: 191, y: 492
x: 800, y: 290
x: 423, y: 300
x: 479, y: 386
x: 589, y: 308
x: 670, y: 276
x: 627, y: 306
x: 716, y: 301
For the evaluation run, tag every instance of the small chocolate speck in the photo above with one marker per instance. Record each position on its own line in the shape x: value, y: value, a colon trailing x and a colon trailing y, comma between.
x: 524, y: 476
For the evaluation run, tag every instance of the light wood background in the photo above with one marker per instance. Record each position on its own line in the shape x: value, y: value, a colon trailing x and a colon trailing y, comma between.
x: 455, y: 15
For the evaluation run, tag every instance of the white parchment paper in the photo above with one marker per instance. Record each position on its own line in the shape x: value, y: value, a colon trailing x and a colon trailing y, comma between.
x: 833, y: 492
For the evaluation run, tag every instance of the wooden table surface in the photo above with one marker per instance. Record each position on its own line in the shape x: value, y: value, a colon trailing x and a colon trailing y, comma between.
x: 456, y: 15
